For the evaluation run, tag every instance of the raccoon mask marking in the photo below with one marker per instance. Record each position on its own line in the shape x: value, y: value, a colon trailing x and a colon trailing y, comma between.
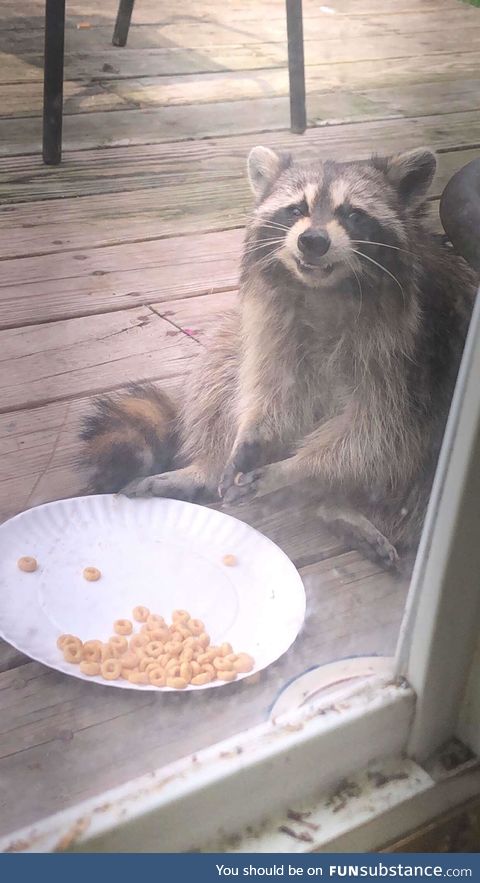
x: 331, y: 223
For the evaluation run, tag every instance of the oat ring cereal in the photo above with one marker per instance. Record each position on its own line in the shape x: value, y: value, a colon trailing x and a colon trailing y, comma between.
x: 90, y: 668
x: 122, y: 627
x: 157, y: 655
x: 156, y: 676
x: 27, y: 564
x: 111, y: 669
x: 63, y: 640
x: 91, y: 574
x: 72, y: 652
x: 92, y: 652
x: 140, y: 614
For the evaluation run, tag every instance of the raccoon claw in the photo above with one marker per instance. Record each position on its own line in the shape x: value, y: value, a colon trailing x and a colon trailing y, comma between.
x: 230, y: 478
x: 246, y: 486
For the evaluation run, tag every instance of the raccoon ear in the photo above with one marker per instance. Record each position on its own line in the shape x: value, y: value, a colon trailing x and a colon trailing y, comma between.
x: 264, y: 166
x: 411, y: 173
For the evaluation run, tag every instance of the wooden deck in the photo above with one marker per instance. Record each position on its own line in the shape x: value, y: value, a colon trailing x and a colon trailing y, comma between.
x: 113, y: 265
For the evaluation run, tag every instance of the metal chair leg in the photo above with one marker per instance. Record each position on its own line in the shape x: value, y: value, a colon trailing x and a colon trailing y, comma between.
x: 296, y: 66
x: 53, y: 81
x: 122, y: 23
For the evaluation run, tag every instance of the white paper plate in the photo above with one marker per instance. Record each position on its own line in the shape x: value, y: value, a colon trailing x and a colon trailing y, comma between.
x: 164, y: 554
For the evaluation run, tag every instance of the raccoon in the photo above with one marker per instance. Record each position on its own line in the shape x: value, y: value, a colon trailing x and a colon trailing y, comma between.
x: 336, y: 370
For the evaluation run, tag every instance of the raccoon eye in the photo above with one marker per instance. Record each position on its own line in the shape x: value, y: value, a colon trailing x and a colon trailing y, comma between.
x: 355, y: 215
x: 295, y: 211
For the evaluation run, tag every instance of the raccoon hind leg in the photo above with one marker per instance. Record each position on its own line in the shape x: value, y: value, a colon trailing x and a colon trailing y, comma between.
x: 364, y: 536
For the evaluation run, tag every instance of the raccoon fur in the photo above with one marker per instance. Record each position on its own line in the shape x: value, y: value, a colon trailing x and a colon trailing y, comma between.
x: 336, y: 370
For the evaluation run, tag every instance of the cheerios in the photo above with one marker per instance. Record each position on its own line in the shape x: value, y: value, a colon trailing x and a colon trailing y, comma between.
x: 122, y: 627
x: 92, y: 651
x: 226, y: 675
x: 155, y: 622
x: 229, y: 560
x: 111, y: 669
x: 138, y: 677
x: 91, y: 574
x: 119, y: 644
x: 90, y: 668
x: 129, y: 660
x: 177, y: 683
x: 157, y: 654
x: 27, y: 564
x: 154, y: 649
x: 157, y: 677
x: 140, y: 614
x: 201, y: 679
x: 72, y: 652
x: 62, y: 640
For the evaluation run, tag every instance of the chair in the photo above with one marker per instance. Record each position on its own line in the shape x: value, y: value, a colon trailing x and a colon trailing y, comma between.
x: 54, y: 57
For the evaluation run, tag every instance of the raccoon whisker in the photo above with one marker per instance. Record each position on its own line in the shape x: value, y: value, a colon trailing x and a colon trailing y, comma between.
x: 264, y: 244
x: 275, y: 226
x: 381, y: 267
x: 383, y: 245
x: 352, y: 268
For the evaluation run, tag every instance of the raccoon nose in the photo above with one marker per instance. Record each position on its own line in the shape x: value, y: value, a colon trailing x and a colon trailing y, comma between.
x: 314, y: 243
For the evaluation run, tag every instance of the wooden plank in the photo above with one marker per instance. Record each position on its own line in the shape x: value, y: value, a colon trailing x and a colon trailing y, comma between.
x: 78, y: 357
x: 267, y: 25
x: 213, y: 256
x: 178, y: 121
x: 116, y: 277
x: 124, y: 169
x: 30, y: 15
x: 26, y: 99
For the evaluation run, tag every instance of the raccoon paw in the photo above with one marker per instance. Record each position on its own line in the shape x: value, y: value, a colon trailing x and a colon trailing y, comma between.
x: 178, y: 485
x: 248, y: 485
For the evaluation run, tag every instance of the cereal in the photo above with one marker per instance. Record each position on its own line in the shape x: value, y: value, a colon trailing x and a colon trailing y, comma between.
x: 138, y: 677
x: 90, y: 668
x: 155, y: 622
x: 62, y: 640
x: 111, y: 669
x: 91, y: 574
x: 92, y: 652
x: 153, y: 649
x: 243, y: 663
x: 157, y: 655
x: 196, y: 627
x: 226, y: 675
x: 140, y: 614
x: 157, y: 677
x: 27, y: 564
x: 123, y: 627
x: 201, y: 679
x: 229, y: 560
x: 177, y: 683
x: 118, y: 644
x: 72, y: 652
x: 130, y: 660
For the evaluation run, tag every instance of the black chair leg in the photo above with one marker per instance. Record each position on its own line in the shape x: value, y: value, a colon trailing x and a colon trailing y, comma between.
x: 53, y: 81
x: 296, y: 67
x: 122, y: 24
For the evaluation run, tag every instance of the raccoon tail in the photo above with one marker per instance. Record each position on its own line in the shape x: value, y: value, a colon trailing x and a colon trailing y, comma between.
x: 127, y: 436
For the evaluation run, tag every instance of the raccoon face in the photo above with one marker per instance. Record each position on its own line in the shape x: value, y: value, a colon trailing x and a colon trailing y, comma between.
x: 326, y: 222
